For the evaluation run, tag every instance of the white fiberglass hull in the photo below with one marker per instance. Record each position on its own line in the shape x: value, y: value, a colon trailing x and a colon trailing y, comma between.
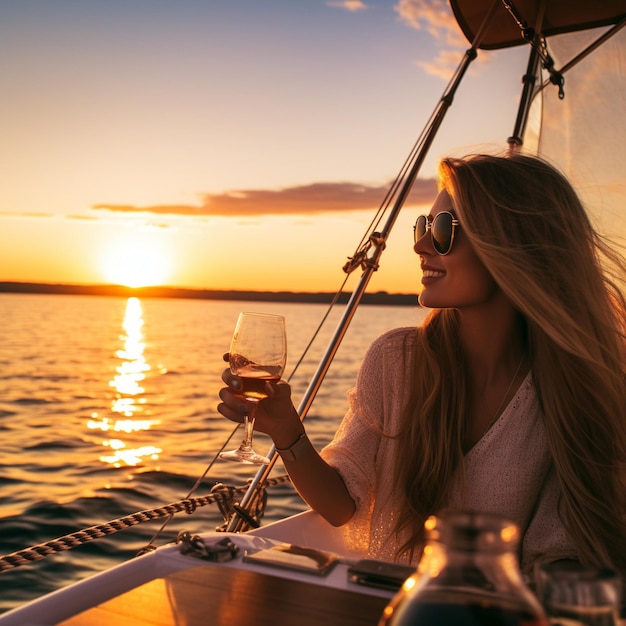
x: 305, y: 530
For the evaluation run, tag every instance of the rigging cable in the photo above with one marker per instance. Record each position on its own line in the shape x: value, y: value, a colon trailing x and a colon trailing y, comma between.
x: 220, y: 494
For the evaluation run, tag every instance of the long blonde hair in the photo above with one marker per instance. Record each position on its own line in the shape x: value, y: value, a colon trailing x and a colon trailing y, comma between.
x: 530, y: 230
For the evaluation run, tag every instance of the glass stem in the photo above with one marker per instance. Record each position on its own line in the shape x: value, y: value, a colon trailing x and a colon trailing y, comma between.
x: 248, y: 429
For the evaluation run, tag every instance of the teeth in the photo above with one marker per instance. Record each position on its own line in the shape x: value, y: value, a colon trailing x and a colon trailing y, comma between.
x: 431, y: 273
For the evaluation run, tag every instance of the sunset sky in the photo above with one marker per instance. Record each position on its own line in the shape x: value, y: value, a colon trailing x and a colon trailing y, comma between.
x: 233, y: 144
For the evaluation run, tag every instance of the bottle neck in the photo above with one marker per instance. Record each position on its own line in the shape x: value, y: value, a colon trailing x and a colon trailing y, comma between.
x: 438, y: 556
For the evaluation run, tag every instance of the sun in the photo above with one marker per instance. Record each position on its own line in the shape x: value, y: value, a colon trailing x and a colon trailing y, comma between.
x: 136, y: 262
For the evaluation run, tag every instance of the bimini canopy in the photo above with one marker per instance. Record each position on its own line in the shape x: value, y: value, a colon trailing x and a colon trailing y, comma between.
x: 552, y: 17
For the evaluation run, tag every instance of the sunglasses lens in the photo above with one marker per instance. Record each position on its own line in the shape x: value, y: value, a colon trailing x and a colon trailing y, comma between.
x: 441, y: 231
x: 420, y: 227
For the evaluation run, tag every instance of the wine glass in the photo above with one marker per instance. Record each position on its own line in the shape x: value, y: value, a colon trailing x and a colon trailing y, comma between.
x: 580, y: 595
x: 258, y: 353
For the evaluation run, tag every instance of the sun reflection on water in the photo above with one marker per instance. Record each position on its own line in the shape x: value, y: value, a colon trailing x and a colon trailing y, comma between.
x: 128, y: 402
x: 133, y: 367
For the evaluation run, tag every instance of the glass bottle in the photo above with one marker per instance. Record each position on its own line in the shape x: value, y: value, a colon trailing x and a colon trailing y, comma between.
x: 468, y: 575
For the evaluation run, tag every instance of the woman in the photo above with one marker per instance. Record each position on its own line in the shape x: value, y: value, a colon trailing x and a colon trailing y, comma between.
x: 511, y: 396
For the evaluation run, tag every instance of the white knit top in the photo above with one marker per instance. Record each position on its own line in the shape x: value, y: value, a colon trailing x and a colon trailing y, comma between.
x: 509, y: 471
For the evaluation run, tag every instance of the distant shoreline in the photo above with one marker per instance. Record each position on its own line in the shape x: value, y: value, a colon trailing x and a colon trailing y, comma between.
x: 379, y: 298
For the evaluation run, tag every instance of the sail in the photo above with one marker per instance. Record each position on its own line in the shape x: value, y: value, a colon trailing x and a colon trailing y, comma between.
x: 584, y: 133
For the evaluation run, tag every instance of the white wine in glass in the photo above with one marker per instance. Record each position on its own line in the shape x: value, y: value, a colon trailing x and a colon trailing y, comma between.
x: 258, y: 354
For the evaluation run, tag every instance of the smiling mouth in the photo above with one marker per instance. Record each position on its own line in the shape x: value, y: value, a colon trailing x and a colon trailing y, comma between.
x: 431, y: 273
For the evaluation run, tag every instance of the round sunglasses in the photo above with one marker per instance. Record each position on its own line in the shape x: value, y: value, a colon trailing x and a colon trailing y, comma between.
x: 442, y: 228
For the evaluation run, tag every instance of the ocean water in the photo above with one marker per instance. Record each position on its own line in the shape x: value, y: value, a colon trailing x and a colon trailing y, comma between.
x: 108, y: 406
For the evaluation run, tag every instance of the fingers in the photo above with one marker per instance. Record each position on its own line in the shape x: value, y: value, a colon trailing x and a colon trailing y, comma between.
x: 270, y: 390
x: 231, y: 407
x: 274, y: 411
x: 231, y: 380
x: 229, y: 414
x: 280, y: 391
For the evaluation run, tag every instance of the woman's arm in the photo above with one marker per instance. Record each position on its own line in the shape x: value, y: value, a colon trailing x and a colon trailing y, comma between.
x: 317, y: 482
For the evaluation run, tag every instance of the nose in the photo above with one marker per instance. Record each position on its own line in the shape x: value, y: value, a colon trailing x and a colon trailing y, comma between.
x: 424, y: 245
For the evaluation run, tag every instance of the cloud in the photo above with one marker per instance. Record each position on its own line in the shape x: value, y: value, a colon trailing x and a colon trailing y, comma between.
x: 435, y: 16
x: 304, y: 199
x: 160, y: 209
x: 348, y: 5
x: 89, y: 218
x: 443, y: 65
x: 26, y: 214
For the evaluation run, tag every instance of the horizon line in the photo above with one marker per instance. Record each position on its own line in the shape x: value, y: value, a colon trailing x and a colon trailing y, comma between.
x: 163, y: 291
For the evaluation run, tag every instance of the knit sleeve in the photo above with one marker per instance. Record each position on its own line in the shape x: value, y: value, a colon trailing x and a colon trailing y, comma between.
x: 370, y: 418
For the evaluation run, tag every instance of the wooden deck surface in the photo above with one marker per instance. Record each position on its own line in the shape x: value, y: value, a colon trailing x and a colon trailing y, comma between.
x: 220, y: 596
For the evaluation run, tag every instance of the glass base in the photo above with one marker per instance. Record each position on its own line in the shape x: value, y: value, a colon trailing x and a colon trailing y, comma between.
x: 244, y: 455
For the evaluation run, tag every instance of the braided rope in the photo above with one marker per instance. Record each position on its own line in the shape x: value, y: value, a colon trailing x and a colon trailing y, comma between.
x: 221, y: 494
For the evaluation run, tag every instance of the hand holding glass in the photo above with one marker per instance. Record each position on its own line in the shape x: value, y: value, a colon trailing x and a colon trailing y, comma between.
x: 258, y: 354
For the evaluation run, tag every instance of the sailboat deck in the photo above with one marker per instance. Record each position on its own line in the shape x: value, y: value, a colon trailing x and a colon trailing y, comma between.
x: 213, y: 594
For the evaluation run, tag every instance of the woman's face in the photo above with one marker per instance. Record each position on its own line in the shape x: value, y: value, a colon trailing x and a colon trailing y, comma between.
x: 457, y: 280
